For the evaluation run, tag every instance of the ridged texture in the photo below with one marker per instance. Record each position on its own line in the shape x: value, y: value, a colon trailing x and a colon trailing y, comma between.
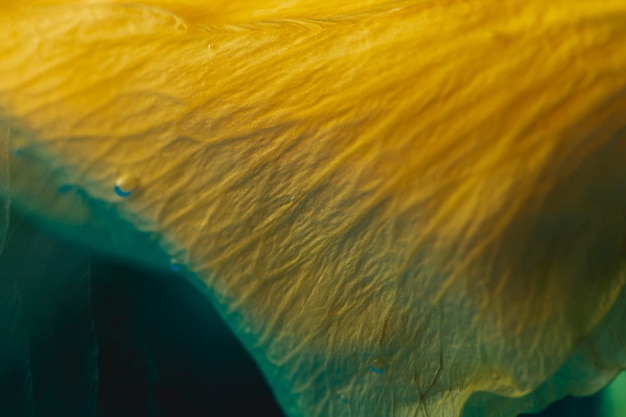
x: 436, y: 188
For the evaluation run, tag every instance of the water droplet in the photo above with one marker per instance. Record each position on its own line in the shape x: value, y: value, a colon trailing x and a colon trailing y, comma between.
x: 126, y: 185
x: 378, y: 365
x: 174, y: 265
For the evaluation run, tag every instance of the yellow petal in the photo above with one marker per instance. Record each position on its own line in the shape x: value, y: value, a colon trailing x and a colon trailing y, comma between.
x: 396, y: 205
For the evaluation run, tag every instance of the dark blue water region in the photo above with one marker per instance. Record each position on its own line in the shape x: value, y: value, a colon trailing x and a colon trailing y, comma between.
x: 85, y: 335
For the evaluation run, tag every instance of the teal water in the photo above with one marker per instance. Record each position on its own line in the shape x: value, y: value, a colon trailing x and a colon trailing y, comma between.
x: 83, y: 334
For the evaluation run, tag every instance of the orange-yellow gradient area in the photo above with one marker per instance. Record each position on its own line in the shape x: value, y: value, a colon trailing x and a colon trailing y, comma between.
x: 403, y: 208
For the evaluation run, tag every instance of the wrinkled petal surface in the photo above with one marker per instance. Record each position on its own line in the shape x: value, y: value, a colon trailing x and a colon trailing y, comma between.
x: 404, y: 208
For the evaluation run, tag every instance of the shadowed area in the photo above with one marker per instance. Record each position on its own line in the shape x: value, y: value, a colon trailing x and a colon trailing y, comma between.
x: 87, y: 335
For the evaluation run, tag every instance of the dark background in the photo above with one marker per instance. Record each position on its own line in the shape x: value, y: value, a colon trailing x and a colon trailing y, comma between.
x: 82, y: 334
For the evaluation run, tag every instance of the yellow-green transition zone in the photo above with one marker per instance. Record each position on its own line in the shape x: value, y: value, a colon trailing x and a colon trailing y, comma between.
x: 403, y: 208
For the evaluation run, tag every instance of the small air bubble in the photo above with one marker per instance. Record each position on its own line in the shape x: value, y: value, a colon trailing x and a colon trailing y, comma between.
x: 126, y: 185
x: 378, y: 366
x: 174, y: 265
x: 343, y: 399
